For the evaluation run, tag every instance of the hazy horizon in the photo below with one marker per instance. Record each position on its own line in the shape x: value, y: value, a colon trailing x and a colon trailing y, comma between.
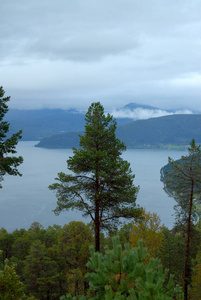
x: 138, y: 113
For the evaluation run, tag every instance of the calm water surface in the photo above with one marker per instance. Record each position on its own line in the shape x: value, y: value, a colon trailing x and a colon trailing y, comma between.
x: 27, y: 199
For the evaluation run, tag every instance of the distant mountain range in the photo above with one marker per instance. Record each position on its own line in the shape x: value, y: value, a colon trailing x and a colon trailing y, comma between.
x: 152, y: 133
x: 57, y: 128
x: 156, y: 132
x: 37, y: 124
x: 133, y: 106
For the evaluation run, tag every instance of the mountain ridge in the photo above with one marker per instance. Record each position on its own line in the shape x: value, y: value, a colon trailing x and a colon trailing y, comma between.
x: 40, y: 123
x: 151, y: 133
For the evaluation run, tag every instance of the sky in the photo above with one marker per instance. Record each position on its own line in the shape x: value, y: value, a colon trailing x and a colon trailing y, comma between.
x: 70, y: 53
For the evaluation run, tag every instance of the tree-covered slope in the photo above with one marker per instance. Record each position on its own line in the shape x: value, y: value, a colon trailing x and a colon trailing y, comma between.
x: 37, y: 124
x: 174, y: 129
x: 65, y: 140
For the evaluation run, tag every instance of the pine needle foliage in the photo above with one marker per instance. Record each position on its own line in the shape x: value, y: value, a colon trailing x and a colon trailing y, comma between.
x: 8, y: 163
x: 101, y: 182
x: 183, y: 182
x: 11, y: 288
x: 125, y: 274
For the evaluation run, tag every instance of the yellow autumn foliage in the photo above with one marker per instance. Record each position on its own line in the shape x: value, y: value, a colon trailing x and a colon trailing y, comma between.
x: 149, y: 229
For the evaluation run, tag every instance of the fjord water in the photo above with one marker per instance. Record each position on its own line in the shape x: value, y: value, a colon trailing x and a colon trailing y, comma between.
x: 27, y: 199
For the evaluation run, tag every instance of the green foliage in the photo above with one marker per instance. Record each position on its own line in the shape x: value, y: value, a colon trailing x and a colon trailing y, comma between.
x: 183, y: 182
x: 196, y: 275
x: 74, y: 241
x: 40, y: 272
x: 73, y: 244
x: 69, y: 297
x: 172, y: 254
x: 53, y: 260
x: 6, y: 241
x: 183, y: 177
x: 50, y: 262
x: 11, y: 288
x: 124, y: 234
x: 148, y: 229
x: 125, y: 274
x: 8, y: 164
x: 101, y: 182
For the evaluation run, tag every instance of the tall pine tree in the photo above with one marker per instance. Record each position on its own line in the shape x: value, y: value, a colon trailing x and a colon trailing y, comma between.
x: 8, y: 162
x: 101, y: 185
x: 183, y: 182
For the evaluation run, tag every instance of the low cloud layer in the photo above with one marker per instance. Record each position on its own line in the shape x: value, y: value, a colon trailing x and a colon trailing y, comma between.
x: 70, y: 53
x: 143, y: 114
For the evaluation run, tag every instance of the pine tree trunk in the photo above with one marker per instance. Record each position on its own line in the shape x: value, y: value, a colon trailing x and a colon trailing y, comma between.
x: 97, y: 235
x: 97, y: 217
x: 48, y: 291
x: 186, y: 276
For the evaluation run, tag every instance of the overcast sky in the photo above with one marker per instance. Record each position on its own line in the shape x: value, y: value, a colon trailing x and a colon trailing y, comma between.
x: 70, y: 53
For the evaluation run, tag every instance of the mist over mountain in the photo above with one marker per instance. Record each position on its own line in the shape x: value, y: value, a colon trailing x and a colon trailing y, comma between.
x: 38, y: 124
x: 162, y: 132
x: 136, y: 111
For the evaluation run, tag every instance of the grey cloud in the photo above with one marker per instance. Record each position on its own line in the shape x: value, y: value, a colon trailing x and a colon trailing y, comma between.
x: 90, y: 29
x: 93, y: 49
x: 89, y: 47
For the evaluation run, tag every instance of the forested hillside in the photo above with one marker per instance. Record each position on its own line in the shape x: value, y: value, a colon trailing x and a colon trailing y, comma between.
x: 175, y: 129
x: 152, y: 133
x: 51, y: 262
x: 37, y: 124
